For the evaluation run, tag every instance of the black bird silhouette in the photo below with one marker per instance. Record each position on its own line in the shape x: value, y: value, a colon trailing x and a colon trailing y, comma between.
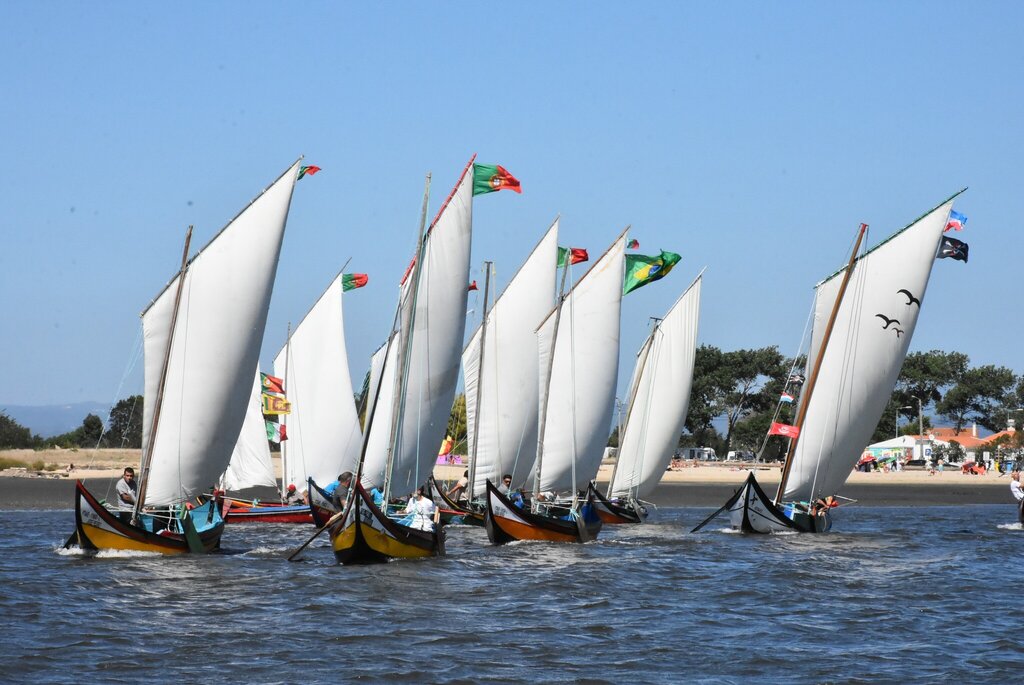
x: 910, y: 297
x: 887, y: 320
x: 899, y: 332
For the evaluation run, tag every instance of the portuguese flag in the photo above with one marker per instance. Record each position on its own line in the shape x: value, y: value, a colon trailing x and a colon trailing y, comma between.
x: 353, y: 281
x: 571, y: 255
x: 488, y: 178
x: 641, y: 269
x: 272, y: 383
x: 633, y: 244
x: 308, y: 171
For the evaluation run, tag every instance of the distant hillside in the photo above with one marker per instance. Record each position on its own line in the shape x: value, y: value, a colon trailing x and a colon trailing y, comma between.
x: 56, y: 419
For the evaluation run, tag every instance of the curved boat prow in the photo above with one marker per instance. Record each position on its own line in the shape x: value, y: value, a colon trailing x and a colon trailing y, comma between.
x: 752, y: 511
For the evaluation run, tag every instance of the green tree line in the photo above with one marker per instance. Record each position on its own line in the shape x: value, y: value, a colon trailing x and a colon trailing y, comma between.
x: 733, y: 400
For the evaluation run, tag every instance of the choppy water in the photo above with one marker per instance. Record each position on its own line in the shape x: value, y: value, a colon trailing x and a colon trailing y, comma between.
x: 891, y: 595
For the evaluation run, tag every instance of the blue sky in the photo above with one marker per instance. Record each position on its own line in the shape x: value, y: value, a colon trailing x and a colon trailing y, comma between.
x: 751, y: 138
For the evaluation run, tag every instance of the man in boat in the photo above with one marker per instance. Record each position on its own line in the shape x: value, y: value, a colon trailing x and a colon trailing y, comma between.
x: 127, y: 491
x: 340, y: 495
x: 1018, y: 494
x: 293, y: 497
x: 506, y: 484
x: 458, y: 491
x: 822, y: 505
x: 423, y: 514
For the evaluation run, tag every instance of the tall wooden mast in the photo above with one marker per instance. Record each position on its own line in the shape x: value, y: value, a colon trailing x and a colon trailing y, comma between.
x: 805, y: 396
x: 147, y: 458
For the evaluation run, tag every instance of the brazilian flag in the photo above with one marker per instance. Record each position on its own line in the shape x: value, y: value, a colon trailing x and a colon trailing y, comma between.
x: 642, y: 269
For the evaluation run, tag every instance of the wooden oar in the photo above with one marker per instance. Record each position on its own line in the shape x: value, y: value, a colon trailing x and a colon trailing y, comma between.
x: 330, y: 522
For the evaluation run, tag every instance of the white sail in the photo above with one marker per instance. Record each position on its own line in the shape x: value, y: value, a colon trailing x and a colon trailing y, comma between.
x: 872, y: 332
x: 432, y: 358
x: 581, y: 391
x: 324, y: 437
x: 383, y: 367
x: 660, y: 398
x: 509, y: 395
x: 251, y: 464
x: 216, y: 345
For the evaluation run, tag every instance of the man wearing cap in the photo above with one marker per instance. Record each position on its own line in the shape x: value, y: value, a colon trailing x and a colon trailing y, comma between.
x: 292, y: 497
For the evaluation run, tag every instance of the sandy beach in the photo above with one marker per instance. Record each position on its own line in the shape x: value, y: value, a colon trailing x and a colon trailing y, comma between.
x: 705, y: 485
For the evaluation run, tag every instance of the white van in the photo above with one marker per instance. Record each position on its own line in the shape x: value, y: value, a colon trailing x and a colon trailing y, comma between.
x: 699, y: 453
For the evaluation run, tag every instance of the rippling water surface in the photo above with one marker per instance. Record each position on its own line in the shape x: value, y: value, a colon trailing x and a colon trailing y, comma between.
x: 891, y: 595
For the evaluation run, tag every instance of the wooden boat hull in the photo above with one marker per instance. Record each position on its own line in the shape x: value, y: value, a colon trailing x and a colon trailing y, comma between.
x: 99, y: 529
x: 274, y: 513
x: 321, y: 506
x: 451, y: 511
x: 752, y: 511
x: 506, y: 522
x: 617, y: 512
x: 366, y: 536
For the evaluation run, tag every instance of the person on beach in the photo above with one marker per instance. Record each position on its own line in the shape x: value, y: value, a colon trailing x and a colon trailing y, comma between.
x: 127, y: 491
x: 1018, y: 494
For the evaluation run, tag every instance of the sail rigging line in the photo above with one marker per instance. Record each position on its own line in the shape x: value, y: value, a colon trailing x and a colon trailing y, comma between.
x: 147, y: 457
x: 479, y: 385
x: 572, y: 384
x: 285, y: 447
x: 405, y: 340
x: 792, y: 370
x: 813, y: 378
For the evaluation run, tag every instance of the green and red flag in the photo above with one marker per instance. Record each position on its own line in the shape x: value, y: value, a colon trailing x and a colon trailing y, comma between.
x: 641, y: 269
x: 271, y: 383
x: 276, y: 432
x: 308, y: 171
x: 488, y: 178
x: 571, y: 255
x: 633, y: 244
x: 353, y: 281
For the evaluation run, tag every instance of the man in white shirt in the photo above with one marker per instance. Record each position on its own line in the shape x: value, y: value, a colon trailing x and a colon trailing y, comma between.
x: 1018, y: 494
x: 127, y: 491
